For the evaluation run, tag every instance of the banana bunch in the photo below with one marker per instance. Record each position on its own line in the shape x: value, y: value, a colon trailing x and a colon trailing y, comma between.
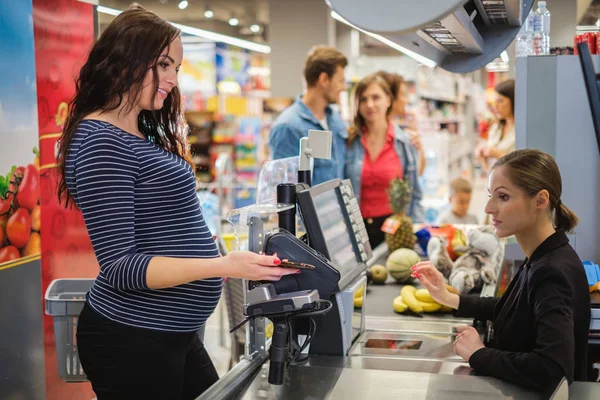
x: 419, y: 301
x: 358, y: 297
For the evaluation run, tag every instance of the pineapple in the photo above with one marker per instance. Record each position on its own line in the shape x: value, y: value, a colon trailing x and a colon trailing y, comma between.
x: 400, y: 197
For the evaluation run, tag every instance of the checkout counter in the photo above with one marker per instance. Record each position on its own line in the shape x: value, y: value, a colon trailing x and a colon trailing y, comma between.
x: 353, y: 353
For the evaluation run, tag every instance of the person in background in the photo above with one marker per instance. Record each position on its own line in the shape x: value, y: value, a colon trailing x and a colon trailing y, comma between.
x: 324, y: 75
x: 124, y: 163
x: 378, y: 152
x: 501, y: 136
x: 408, y: 119
x: 460, y: 199
x: 540, y: 325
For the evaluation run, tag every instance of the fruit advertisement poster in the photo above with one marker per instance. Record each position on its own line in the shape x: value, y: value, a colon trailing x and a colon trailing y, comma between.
x: 64, y: 34
x: 19, y: 176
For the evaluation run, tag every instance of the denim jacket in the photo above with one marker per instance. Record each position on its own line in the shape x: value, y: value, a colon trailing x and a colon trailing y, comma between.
x: 409, y: 157
x: 294, y: 123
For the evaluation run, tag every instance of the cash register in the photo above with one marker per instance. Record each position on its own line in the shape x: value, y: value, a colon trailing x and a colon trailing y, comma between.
x: 317, y: 303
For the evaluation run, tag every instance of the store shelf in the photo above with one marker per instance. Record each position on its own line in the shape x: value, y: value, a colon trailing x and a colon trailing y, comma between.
x: 459, y: 147
x: 228, y: 140
x: 449, y: 120
x: 428, y: 96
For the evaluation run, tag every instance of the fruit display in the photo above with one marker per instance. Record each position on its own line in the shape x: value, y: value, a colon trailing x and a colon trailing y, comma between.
x: 399, y: 227
x: 399, y: 264
x: 378, y: 274
x: 20, y: 213
x: 419, y: 301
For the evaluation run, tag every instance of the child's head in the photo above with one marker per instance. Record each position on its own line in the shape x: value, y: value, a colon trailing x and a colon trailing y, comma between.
x: 460, y: 196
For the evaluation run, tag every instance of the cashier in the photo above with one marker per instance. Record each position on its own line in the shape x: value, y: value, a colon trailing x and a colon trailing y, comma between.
x: 541, y: 323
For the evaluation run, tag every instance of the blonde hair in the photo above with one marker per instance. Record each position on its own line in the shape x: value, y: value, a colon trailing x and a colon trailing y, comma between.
x: 361, y: 87
x: 461, y: 185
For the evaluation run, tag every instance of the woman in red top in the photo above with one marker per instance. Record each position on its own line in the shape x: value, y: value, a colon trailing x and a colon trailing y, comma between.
x: 378, y: 152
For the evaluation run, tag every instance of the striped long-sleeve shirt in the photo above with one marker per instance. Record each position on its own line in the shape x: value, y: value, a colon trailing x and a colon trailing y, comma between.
x: 139, y: 201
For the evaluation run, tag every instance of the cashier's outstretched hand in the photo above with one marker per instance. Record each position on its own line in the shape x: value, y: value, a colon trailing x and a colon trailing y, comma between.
x: 432, y: 280
x: 255, y: 267
x: 467, y: 342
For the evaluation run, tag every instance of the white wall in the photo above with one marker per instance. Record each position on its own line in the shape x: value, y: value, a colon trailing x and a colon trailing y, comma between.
x: 295, y: 27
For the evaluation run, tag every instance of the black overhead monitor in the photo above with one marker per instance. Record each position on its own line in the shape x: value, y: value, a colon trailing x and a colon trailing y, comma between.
x: 590, y: 78
x: 334, y: 225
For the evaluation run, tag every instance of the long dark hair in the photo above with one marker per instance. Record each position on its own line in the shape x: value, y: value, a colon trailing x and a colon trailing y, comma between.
x: 507, y: 89
x: 361, y: 87
x: 532, y: 171
x: 117, y: 64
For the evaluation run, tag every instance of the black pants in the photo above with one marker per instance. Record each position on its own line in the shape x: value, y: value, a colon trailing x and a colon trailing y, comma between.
x: 373, y: 226
x: 124, y: 362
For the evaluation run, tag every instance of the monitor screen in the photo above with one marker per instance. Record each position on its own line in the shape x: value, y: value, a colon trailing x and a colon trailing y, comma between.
x: 336, y: 230
x: 591, y: 84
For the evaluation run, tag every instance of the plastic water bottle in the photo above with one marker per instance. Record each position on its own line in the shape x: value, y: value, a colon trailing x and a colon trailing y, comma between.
x: 541, y: 30
x: 524, y: 45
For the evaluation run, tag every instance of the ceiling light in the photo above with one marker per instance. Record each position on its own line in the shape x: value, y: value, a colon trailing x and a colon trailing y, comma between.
x: 255, y: 28
x: 423, y: 60
x: 217, y: 37
x: 209, y: 13
x: 233, y: 21
x: 183, y: 4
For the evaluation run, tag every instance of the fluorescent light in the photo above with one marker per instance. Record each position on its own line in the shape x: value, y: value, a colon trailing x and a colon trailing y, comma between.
x: 214, y: 36
x: 183, y: 4
x: 209, y: 13
x: 423, y: 60
x: 233, y: 21
x: 504, y: 56
x: 217, y: 37
x: 255, y: 28
x: 109, y: 11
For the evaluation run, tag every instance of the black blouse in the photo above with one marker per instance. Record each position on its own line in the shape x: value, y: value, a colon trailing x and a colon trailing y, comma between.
x: 540, y: 324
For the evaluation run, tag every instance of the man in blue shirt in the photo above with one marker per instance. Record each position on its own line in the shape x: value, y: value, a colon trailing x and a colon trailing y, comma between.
x: 324, y: 75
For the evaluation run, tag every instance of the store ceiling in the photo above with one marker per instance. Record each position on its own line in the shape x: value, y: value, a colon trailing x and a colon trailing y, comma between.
x: 248, y: 12
x: 591, y: 14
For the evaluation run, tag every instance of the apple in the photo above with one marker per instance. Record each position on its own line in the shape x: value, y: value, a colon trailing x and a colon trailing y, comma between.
x: 379, y: 274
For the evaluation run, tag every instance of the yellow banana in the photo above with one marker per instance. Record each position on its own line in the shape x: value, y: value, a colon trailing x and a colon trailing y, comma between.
x: 359, y: 292
x: 358, y: 302
x: 430, y: 307
x: 408, y: 298
x: 446, y: 309
x: 452, y: 289
x: 423, y: 295
x: 399, y: 306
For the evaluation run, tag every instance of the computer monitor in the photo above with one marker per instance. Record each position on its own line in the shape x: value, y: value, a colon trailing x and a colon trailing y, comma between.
x: 590, y: 78
x: 335, y: 227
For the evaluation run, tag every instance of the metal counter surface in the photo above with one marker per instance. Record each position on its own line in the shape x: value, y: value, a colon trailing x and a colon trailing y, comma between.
x: 332, y: 378
x: 322, y: 382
